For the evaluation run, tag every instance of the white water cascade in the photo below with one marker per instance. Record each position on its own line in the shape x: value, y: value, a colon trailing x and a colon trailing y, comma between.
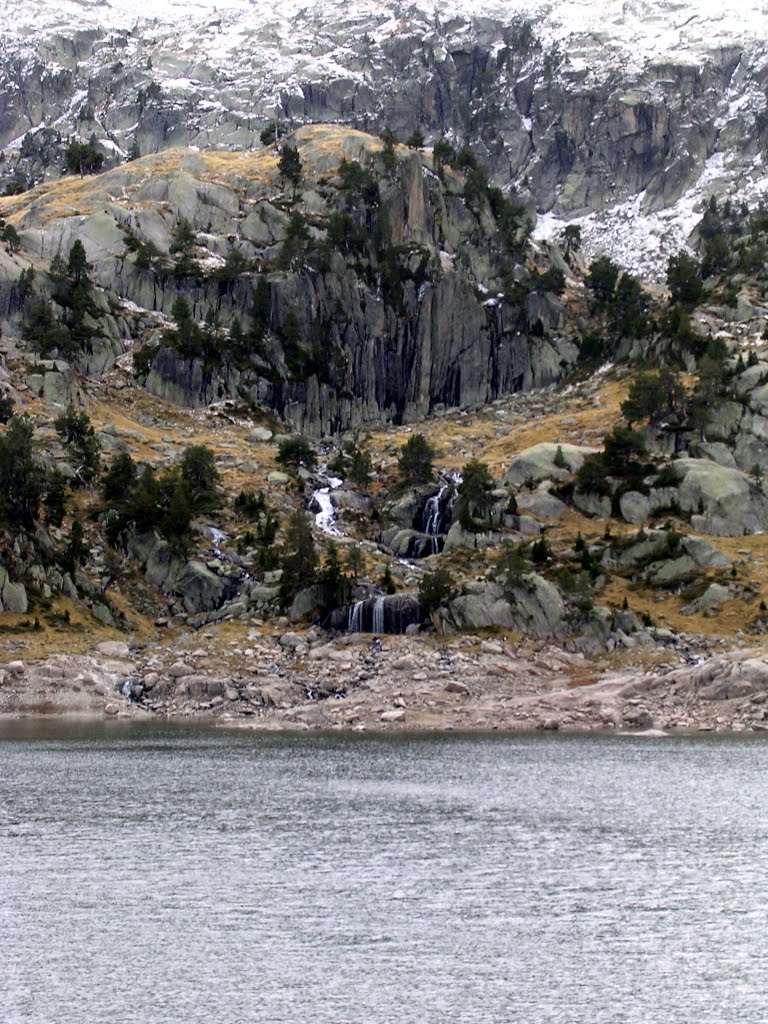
x: 217, y: 539
x: 355, y: 623
x: 325, y: 518
x: 431, y: 522
x: 378, y: 616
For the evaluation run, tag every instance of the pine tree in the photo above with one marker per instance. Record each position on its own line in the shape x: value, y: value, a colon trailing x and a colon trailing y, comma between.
x: 299, y: 563
x: 388, y: 157
x: 474, y: 492
x: 293, y: 452
x: 22, y: 480
x: 684, y: 279
x: 334, y: 582
x: 83, y: 157
x: 10, y: 236
x: 289, y: 165
x: 436, y: 589
x: 119, y: 479
x: 178, y: 514
x: 198, y: 470
x: 76, y: 431
x: 416, y: 460
x: 144, y: 507
x: 77, y: 263
x: 262, y: 309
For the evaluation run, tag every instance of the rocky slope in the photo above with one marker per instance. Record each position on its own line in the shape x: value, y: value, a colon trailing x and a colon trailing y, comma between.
x: 404, y: 291
x: 641, y: 109
x: 220, y: 299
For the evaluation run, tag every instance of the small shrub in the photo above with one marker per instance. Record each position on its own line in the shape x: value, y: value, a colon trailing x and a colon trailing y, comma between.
x: 436, y: 589
x: 293, y: 452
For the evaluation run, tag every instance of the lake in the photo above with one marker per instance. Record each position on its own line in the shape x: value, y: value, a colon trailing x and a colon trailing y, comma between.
x: 155, y: 874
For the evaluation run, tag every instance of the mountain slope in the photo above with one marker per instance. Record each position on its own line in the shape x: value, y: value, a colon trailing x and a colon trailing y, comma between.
x: 364, y: 292
x: 626, y: 110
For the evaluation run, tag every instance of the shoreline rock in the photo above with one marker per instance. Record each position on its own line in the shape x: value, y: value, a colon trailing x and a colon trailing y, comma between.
x: 370, y: 683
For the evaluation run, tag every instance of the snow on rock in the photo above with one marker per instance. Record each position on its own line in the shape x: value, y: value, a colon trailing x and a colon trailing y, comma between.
x: 227, y: 66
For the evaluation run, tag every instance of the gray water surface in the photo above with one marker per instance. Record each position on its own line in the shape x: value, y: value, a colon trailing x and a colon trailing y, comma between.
x: 157, y: 875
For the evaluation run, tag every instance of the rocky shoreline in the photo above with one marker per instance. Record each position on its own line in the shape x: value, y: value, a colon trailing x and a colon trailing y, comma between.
x: 306, y: 681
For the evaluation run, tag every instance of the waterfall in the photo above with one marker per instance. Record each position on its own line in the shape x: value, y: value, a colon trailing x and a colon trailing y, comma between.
x: 378, y: 615
x: 433, y: 519
x: 392, y: 613
x: 217, y: 539
x: 325, y: 518
x: 127, y: 689
x: 355, y: 621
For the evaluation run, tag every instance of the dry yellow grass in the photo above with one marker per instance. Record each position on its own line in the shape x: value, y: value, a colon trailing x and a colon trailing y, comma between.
x: 321, y: 145
x: 481, y: 432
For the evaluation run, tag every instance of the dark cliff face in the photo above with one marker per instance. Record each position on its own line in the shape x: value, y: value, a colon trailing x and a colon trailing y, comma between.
x: 383, y: 290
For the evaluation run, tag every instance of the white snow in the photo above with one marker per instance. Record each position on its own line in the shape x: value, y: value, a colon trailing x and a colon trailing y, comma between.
x: 641, y: 240
x: 240, y: 58
x: 302, y: 30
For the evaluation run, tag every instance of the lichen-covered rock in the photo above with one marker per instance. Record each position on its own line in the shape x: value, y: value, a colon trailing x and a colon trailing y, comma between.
x: 542, y: 505
x: 540, y: 463
x: 724, y: 501
x: 200, y: 589
x: 635, y: 507
x: 663, y: 556
x: 597, y: 505
x: 429, y: 339
x: 458, y: 537
x: 533, y: 606
x: 714, y: 595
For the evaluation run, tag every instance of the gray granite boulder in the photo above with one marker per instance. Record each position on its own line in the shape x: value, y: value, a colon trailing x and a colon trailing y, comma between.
x: 725, y: 502
x: 538, y: 463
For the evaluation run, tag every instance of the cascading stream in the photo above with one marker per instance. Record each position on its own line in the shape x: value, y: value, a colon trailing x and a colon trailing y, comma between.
x: 325, y: 518
x: 355, y: 621
x: 432, y: 520
x: 378, y: 615
x: 391, y: 613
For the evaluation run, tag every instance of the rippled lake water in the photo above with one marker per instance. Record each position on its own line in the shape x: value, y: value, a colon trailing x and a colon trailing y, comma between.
x: 157, y: 875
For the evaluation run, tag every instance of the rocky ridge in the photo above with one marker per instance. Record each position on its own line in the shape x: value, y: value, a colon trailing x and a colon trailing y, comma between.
x: 441, y: 332
x: 640, y: 109
x: 593, y: 566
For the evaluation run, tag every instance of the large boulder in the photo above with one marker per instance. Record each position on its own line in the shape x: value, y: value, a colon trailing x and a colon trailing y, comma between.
x: 597, y: 505
x: 458, y: 537
x: 347, y: 499
x: 715, y: 595
x: 481, y: 610
x: 635, y: 507
x: 542, y: 505
x: 737, y: 674
x: 533, y: 606
x: 308, y: 603
x: 540, y: 463
x: 13, y: 596
x: 162, y: 565
x: 411, y: 543
x: 662, y: 557
x: 199, y: 589
x: 724, y: 501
